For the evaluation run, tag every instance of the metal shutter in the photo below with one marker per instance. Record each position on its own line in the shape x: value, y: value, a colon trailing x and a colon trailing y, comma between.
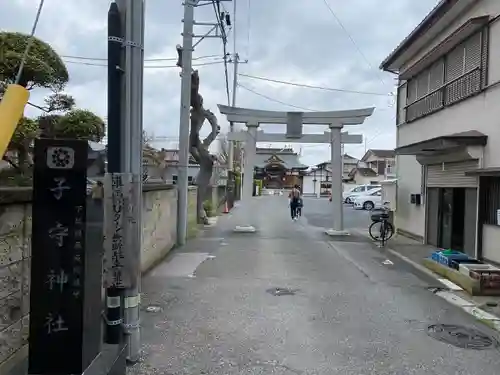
x: 402, y: 93
x: 452, y: 174
x: 484, y: 57
x: 436, y: 79
x: 455, y: 62
x: 412, y: 90
x: 423, y: 84
x: 473, y: 52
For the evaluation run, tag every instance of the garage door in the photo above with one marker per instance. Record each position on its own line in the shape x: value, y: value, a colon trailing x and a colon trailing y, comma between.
x: 452, y: 174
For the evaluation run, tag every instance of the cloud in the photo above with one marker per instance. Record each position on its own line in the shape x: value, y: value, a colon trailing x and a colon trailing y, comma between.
x: 289, y: 40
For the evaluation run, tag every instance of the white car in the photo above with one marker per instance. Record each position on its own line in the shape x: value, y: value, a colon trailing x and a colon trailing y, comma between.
x: 350, y: 195
x: 369, y: 201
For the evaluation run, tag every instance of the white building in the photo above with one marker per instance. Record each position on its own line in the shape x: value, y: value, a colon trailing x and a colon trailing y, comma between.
x: 448, y: 163
x: 375, y: 166
x: 318, y: 180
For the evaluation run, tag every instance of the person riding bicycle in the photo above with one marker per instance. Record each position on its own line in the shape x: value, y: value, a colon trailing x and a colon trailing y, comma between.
x: 294, y: 199
x: 300, y: 204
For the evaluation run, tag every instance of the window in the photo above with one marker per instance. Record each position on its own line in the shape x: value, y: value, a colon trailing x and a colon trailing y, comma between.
x: 376, y: 194
x: 174, y: 179
x: 357, y: 190
x: 489, y: 199
x: 373, y: 187
x: 456, y: 76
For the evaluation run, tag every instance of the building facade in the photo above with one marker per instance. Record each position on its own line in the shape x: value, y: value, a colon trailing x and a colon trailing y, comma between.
x: 348, y: 164
x: 375, y: 166
x: 382, y: 162
x: 278, y: 168
x: 448, y: 165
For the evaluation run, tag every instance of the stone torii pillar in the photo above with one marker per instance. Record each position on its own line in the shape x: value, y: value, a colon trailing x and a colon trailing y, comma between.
x: 335, y: 120
x: 250, y: 147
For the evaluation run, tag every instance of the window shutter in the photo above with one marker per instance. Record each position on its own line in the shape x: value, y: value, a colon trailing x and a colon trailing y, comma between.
x: 473, y: 53
x: 412, y: 90
x: 423, y: 84
x: 484, y: 56
x: 402, y: 92
x: 455, y: 63
x: 436, y: 76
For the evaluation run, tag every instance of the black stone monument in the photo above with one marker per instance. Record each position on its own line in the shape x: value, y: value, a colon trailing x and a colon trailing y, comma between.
x: 65, y: 301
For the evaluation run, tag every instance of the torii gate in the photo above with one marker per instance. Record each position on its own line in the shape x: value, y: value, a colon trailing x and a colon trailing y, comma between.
x: 335, y: 120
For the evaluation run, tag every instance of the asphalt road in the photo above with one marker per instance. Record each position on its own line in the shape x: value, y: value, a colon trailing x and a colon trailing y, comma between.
x: 213, y: 307
x: 318, y: 214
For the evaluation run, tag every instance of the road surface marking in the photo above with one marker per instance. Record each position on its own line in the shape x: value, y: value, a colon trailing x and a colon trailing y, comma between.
x: 181, y: 265
x: 450, y: 285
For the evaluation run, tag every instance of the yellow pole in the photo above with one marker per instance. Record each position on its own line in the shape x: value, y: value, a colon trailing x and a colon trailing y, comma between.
x: 12, y: 107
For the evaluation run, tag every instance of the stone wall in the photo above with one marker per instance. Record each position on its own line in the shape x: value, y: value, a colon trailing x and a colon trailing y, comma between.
x: 15, y: 255
x: 159, y: 237
x: 159, y: 221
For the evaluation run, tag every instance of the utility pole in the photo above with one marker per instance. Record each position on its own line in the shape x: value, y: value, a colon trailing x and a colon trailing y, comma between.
x: 235, y: 86
x: 236, y: 61
x: 115, y: 126
x: 130, y: 166
x: 185, y: 62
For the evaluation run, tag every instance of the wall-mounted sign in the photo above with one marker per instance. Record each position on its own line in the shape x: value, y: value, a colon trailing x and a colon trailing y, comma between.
x: 274, y: 160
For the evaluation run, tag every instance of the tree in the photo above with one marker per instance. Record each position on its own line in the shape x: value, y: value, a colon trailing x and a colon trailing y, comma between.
x: 43, y: 67
x: 198, y: 148
x: 80, y: 124
x: 27, y: 130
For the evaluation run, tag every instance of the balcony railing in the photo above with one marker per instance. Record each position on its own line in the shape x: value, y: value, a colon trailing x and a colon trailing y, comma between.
x: 448, y: 94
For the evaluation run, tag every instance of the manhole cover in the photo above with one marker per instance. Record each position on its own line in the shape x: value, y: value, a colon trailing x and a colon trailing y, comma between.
x: 153, y: 309
x: 461, y: 337
x: 281, y: 291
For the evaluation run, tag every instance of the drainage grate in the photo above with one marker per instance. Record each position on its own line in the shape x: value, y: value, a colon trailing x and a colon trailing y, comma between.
x: 282, y: 291
x: 461, y: 337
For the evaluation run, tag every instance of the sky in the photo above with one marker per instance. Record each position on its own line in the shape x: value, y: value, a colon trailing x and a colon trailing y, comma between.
x: 287, y: 40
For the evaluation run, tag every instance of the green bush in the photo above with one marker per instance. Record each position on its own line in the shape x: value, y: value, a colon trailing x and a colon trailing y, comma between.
x: 209, y: 208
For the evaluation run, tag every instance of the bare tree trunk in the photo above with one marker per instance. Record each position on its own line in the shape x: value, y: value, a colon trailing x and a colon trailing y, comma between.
x: 199, y: 149
x: 203, y: 184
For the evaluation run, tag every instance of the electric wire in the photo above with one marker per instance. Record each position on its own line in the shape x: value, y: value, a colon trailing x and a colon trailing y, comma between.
x: 312, y: 86
x: 216, y: 6
x: 30, y: 42
x: 249, y: 26
x: 275, y: 100
x: 145, y: 67
x: 341, y: 24
x: 149, y: 60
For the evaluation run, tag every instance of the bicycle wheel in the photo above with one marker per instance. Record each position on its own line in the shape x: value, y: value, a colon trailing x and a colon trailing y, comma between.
x: 374, y: 230
x: 389, y: 231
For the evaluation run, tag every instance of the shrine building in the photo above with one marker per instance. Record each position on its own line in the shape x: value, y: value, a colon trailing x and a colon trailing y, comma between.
x: 278, y: 168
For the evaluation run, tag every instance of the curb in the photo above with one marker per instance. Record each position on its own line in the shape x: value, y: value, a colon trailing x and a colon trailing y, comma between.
x: 454, y: 299
x: 470, y: 307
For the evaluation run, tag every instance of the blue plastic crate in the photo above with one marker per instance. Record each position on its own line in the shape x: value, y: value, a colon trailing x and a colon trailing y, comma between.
x: 435, y: 256
x: 449, y: 258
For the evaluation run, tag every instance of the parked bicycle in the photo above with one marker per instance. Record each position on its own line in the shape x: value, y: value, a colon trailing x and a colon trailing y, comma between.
x: 381, y: 228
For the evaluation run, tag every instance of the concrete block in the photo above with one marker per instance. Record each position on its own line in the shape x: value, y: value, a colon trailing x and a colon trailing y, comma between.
x: 336, y: 233
x: 244, y: 229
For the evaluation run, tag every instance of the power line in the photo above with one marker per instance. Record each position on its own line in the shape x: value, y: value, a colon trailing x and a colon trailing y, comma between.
x: 352, y: 40
x: 216, y: 6
x: 249, y: 25
x: 146, y: 67
x: 275, y: 100
x: 313, y: 87
x: 158, y: 59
